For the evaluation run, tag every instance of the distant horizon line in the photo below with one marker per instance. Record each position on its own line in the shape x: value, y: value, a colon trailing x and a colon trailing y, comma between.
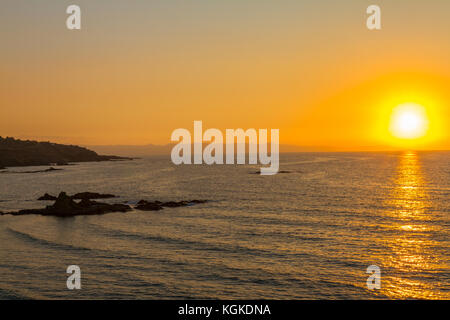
x: 162, y: 149
x: 165, y: 149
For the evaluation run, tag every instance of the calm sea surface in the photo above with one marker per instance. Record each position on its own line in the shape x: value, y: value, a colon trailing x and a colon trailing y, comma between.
x: 307, y: 234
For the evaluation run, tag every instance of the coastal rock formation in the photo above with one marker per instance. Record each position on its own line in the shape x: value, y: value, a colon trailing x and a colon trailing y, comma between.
x: 197, y: 202
x: 18, y: 153
x: 259, y: 172
x: 65, y: 206
x: 148, y: 206
x: 81, y: 196
x: 36, y: 171
x: 158, y: 205
x: 91, y: 195
x: 47, y: 197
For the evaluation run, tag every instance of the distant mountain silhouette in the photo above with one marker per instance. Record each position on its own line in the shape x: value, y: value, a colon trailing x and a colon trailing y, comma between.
x: 152, y: 149
x: 165, y: 150
x: 134, y: 150
x: 16, y: 153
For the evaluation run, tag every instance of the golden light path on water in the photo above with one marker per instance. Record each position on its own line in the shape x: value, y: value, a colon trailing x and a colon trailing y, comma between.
x: 412, y: 247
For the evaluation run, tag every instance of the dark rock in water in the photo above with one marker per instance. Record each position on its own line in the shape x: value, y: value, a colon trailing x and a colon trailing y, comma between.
x: 148, y: 206
x: 81, y: 196
x: 145, y: 202
x: 36, y: 171
x: 198, y: 201
x: 173, y: 204
x: 65, y: 206
x: 86, y: 203
x: 64, y: 203
x: 158, y: 205
x: 47, y: 197
x: 92, y: 195
x: 259, y: 172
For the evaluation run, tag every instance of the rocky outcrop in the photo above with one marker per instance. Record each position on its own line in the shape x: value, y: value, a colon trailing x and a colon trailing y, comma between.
x: 197, y: 202
x: 158, y: 205
x: 65, y: 206
x: 35, y: 171
x: 149, y: 206
x: 17, y: 153
x: 91, y: 196
x: 259, y: 172
x: 47, y: 197
x: 81, y: 196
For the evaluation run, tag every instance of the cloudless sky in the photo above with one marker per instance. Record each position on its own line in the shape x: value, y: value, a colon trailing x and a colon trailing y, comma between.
x: 137, y: 70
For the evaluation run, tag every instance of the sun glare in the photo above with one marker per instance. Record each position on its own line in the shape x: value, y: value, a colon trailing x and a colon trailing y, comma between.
x: 409, y: 121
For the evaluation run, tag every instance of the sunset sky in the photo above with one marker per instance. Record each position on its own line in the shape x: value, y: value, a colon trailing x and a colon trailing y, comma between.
x: 137, y: 70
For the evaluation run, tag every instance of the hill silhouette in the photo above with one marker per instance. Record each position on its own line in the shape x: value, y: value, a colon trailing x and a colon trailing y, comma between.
x: 17, y: 153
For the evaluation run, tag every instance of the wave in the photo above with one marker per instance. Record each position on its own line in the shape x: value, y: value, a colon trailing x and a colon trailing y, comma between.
x: 6, y: 294
x: 43, y: 242
x: 203, y: 246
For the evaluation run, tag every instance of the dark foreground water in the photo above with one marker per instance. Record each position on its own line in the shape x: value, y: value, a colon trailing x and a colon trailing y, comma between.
x: 310, y: 233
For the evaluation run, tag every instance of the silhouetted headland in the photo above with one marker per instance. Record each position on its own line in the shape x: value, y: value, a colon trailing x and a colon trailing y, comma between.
x: 19, y: 153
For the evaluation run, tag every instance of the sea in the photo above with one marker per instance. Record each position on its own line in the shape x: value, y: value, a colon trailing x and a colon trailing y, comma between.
x: 310, y: 232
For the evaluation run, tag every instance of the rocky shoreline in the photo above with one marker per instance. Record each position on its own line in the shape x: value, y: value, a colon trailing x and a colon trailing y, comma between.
x: 80, y: 196
x: 51, y: 169
x: 66, y: 206
x: 24, y: 153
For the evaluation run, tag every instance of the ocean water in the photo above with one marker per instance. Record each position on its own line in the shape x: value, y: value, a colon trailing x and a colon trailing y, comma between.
x: 307, y: 234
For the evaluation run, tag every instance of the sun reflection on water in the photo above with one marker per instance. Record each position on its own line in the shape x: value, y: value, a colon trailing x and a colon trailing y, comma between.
x: 411, y: 244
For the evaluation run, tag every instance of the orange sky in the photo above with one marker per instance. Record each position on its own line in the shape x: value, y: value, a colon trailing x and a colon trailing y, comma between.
x: 136, y: 72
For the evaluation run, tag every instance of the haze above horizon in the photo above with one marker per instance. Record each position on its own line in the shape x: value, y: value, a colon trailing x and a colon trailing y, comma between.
x: 137, y: 70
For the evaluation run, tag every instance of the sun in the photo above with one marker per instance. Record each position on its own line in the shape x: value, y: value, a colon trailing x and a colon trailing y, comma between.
x: 409, y: 121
